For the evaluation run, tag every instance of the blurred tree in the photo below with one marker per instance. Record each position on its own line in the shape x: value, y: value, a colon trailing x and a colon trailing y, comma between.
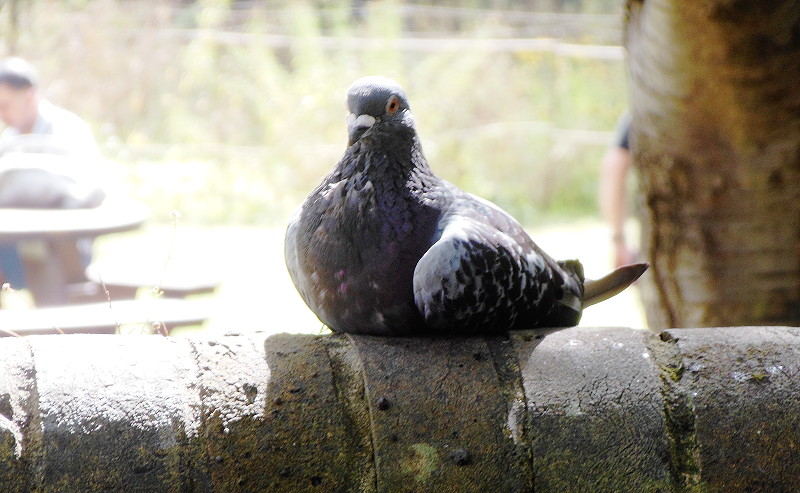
x: 715, y: 104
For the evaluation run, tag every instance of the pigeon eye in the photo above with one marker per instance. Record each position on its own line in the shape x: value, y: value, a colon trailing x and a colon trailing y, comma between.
x: 392, y: 106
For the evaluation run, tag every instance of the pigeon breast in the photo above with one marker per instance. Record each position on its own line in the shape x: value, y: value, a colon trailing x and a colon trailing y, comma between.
x: 353, y: 245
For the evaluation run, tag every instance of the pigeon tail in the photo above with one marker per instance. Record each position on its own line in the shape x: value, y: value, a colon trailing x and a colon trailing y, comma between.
x: 595, y: 291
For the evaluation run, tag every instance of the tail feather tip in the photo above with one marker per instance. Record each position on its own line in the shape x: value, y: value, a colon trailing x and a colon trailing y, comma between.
x: 613, y: 283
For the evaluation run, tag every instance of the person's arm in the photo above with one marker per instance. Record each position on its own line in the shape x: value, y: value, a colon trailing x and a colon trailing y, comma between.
x: 613, y: 195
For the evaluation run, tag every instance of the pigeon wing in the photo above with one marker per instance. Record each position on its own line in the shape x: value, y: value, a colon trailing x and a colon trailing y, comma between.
x: 484, y: 274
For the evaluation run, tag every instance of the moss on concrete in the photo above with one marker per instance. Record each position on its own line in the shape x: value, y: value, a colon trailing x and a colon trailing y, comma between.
x: 678, y: 413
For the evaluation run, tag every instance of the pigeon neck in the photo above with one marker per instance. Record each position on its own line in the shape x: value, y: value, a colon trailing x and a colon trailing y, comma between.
x: 382, y: 156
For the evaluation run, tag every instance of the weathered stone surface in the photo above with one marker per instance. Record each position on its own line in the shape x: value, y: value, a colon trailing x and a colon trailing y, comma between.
x: 232, y: 384
x: 572, y: 410
x: 440, y: 417
x: 740, y: 392
x: 305, y: 440
x: 113, y: 411
x: 594, y: 408
x: 20, y: 445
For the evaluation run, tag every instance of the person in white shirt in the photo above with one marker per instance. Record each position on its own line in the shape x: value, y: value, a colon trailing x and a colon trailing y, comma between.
x: 34, y: 125
x: 28, y: 116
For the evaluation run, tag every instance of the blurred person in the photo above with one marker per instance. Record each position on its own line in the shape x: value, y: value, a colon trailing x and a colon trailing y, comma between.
x: 613, y: 194
x: 36, y: 126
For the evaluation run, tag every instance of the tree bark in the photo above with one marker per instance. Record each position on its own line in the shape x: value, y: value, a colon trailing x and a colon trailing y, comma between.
x: 715, y: 107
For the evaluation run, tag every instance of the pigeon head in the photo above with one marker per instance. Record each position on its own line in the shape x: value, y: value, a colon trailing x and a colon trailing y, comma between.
x: 374, y: 101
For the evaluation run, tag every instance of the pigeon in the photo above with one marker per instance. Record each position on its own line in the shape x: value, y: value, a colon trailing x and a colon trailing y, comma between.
x: 382, y: 246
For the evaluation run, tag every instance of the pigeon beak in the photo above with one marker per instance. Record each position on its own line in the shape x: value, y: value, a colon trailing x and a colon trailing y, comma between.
x: 357, y: 125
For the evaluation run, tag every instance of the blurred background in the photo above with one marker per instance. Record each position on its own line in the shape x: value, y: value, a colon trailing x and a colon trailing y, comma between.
x: 231, y: 112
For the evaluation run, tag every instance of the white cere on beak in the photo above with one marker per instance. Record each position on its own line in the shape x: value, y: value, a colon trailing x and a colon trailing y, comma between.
x: 360, y: 121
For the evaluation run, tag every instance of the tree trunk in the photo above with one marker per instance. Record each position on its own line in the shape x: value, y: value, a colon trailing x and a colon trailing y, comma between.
x: 715, y: 103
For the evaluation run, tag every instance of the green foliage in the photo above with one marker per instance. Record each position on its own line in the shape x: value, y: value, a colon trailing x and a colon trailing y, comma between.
x: 232, y: 111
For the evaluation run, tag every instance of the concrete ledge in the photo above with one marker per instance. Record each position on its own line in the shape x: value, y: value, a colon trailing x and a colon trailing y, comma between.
x: 578, y: 409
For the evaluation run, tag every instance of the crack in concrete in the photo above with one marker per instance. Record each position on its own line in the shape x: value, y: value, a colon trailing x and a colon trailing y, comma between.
x: 678, y: 411
x: 337, y: 363
x: 509, y: 376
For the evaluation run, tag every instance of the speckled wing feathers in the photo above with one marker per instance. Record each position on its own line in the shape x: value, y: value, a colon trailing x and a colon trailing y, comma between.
x: 485, y: 274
